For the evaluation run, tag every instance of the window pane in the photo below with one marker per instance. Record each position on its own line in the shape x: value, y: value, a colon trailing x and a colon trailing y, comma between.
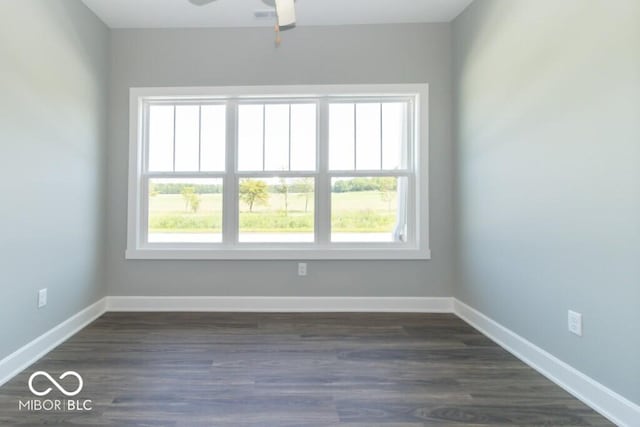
x: 394, y: 135
x: 276, y: 137
x: 212, y: 138
x: 368, y: 136
x: 187, y: 131
x: 250, y: 137
x: 341, y: 137
x: 303, y: 137
x: 277, y: 210
x: 161, y: 138
x: 185, y: 210
x: 368, y: 209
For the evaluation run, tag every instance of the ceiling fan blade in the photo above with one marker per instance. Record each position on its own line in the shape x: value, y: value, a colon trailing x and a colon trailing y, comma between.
x: 286, y: 11
x: 201, y: 2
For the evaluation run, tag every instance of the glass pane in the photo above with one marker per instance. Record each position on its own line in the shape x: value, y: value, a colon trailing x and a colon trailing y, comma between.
x: 368, y: 136
x: 394, y: 135
x: 341, y: 137
x: 161, y: 138
x: 187, y: 148
x: 277, y: 210
x: 368, y: 209
x: 303, y: 137
x: 276, y: 137
x: 212, y: 138
x: 250, y: 137
x: 185, y: 210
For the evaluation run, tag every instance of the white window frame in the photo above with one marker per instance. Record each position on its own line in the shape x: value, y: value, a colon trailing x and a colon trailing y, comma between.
x: 417, y: 244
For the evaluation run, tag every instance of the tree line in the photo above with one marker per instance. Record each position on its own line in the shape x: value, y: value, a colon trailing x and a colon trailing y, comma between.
x: 157, y: 188
x: 383, y: 184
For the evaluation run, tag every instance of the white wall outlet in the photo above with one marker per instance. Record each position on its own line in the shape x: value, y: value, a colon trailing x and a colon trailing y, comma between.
x: 575, y: 323
x: 302, y: 269
x: 42, y: 297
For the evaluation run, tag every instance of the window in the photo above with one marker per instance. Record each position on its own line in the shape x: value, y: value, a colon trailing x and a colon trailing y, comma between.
x: 316, y: 172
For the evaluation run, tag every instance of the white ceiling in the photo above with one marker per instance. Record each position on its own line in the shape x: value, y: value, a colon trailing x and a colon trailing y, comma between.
x: 240, y: 13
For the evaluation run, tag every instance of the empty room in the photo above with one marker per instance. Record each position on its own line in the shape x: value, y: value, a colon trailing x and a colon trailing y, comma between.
x: 356, y: 213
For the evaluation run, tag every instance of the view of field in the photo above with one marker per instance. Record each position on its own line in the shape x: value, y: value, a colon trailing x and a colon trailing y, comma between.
x: 270, y: 207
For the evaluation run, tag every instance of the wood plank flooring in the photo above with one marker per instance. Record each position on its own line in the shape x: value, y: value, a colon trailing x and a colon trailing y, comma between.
x: 250, y: 369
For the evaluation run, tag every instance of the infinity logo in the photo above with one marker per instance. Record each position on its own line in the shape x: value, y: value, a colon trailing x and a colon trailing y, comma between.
x: 55, y: 383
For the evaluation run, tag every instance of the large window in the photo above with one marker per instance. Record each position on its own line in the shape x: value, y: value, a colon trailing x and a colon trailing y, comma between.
x: 318, y: 172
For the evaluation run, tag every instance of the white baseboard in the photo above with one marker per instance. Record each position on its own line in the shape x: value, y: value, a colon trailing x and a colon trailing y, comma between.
x: 608, y: 403
x: 25, y: 356
x: 282, y: 304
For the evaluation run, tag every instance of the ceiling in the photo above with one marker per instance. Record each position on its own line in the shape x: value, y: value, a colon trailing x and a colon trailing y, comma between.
x: 240, y: 13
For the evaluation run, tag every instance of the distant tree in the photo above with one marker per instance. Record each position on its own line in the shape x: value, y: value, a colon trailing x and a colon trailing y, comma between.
x: 341, y: 186
x: 364, y: 184
x: 254, y: 191
x: 192, y: 199
x: 283, y: 188
x: 386, y: 186
x: 306, y: 187
x: 356, y: 184
x: 194, y: 202
x: 187, y: 195
x: 153, y: 192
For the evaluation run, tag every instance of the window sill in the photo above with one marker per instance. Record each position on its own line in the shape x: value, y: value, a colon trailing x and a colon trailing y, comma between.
x: 279, y: 254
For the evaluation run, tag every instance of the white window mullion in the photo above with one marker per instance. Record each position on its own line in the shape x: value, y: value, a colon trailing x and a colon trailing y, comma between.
x: 230, y: 187
x: 144, y: 210
x: 381, y: 140
x: 355, y: 136
x: 200, y: 138
x: 174, y: 138
x: 323, y: 184
x: 417, y: 191
x: 412, y: 207
x: 142, y: 205
x: 264, y: 137
x: 144, y: 152
x: 289, y: 168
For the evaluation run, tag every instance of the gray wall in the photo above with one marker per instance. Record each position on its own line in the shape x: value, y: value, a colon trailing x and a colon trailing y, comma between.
x: 548, y: 183
x: 53, y: 86
x: 308, y: 55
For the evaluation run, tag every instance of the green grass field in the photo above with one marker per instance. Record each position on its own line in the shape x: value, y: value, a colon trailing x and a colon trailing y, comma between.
x: 362, y: 212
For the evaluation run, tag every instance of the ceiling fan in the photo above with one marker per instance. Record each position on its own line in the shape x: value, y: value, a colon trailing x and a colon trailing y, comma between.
x: 285, y: 13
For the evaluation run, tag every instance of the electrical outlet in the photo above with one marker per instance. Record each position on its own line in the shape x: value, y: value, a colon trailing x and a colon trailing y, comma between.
x: 302, y: 269
x: 42, y: 297
x: 575, y: 323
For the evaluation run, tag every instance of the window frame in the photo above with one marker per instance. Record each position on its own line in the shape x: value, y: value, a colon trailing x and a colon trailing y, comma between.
x: 417, y: 245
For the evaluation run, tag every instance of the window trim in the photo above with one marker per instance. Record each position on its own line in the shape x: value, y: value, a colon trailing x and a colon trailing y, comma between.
x: 418, y: 207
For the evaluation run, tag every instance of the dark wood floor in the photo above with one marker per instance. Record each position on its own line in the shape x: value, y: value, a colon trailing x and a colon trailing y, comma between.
x: 217, y: 369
